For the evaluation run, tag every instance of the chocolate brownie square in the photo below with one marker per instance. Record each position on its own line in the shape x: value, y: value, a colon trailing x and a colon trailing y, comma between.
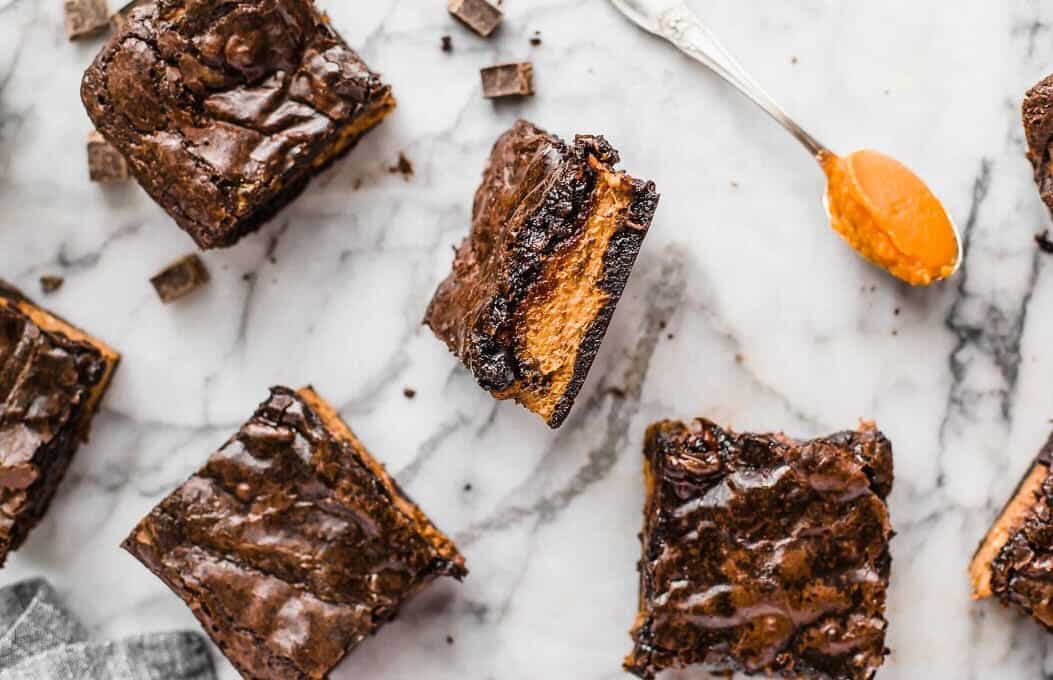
x: 1015, y: 560
x: 225, y: 110
x: 52, y: 379
x: 555, y: 233
x: 292, y: 544
x: 763, y: 554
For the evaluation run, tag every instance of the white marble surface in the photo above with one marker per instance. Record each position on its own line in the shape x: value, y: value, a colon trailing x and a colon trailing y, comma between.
x: 739, y: 264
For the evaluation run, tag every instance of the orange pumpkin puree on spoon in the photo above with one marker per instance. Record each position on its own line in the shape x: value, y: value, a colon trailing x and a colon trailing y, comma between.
x: 890, y: 217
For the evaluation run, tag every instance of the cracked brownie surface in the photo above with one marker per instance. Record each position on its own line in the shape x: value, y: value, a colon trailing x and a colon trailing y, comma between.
x: 51, y: 380
x: 555, y: 233
x: 226, y: 108
x: 1038, y: 128
x: 763, y: 554
x: 292, y: 544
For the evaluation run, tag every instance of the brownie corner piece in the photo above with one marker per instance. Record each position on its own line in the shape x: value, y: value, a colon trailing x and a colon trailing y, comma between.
x: 292, y: 544
x: 1014, y: 561
x: 763, y: 554
x: 1038, y: 129
x: 555, y: 233
x: 52, y: 379
x: 224, y: 111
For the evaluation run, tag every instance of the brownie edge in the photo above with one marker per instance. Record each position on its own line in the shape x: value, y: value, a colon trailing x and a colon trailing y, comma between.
x: 763, y: 554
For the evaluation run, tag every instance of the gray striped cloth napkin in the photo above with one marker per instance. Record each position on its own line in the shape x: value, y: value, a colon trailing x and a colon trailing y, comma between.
x: 40, y: 640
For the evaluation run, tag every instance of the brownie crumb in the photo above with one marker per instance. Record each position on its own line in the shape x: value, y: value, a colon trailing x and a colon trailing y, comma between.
x: 403, y: 167
x: 535, y: 40
x: 467, y: 487
x: 409, y: 392
x: 1044, y: 242
x: 449, y: 639
x: 49, y: 284
x: 739, y: 359
x: 447, y: 44
x: 896, y: 311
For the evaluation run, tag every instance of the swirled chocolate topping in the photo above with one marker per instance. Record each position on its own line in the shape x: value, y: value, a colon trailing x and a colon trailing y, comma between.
x: 763, y: 554
x: 51, y: 379
x: 292, y: 544
x: 225, y: 109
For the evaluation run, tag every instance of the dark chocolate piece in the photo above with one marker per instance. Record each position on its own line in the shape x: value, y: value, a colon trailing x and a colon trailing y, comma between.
x: 762, y: 554
x: 292, y: 544
x: 1038, y: 128
x: 481, y: 16
x: 508, y: 80
x: 52, y: 378
x: 403, y: 167
x: 1015, y: 560
x: 105, y: 162
x: 85, y: 18
x: 555, y: 233
x: 181, y: 278
x: 50, y: 284
x: 226, y: 110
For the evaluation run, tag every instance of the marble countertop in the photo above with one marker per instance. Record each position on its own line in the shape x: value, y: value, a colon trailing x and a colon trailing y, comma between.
x: 743, y: 308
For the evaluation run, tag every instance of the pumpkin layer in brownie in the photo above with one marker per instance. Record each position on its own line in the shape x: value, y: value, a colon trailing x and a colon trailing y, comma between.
x: 555, y: 233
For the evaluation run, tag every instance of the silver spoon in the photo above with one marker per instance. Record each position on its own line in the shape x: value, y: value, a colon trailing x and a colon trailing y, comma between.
x: 674, y: 21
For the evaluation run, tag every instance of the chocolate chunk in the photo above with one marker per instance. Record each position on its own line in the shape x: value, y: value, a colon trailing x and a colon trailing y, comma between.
x: 763, y: 554
x: 1015, y: 560
x: 52, y: 378
x: 105, y: 162
x: 181, y: 278
x: 85, y: 18
x: 555, y: 233
x: 50, y: 284
x: 226, y: 110
x: 292, y: 544
x: 409, y: 392
x: 481, y: 16
x: 508, y: 80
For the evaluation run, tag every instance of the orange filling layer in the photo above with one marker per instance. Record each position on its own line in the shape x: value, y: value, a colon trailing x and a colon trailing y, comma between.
x: 890, y: 217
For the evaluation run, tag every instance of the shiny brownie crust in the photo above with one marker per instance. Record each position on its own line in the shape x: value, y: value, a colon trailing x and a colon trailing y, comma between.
x: 1038, y: 128
x: 226, y: 108
x: 50, y: 387
x: 292, y: 545
x: 535, y: 198
x: 762, y: 554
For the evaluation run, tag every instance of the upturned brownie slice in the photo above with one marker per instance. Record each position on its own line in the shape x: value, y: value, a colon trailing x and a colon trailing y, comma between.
x: 225, y: 110
x: 763, y: 554
x: 1015, y: 560
x: 555, y: 233
x: 1038, y: 128
x: 292, y: 544
x: 52, y: 378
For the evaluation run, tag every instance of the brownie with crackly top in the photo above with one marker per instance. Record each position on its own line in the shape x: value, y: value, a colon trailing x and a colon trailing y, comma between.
x: 1014, y: 561
x: 52, y: 378
x: 555, y: 232
x: 292, y: 544
x: 763, y: 554
x: 225, y: 110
